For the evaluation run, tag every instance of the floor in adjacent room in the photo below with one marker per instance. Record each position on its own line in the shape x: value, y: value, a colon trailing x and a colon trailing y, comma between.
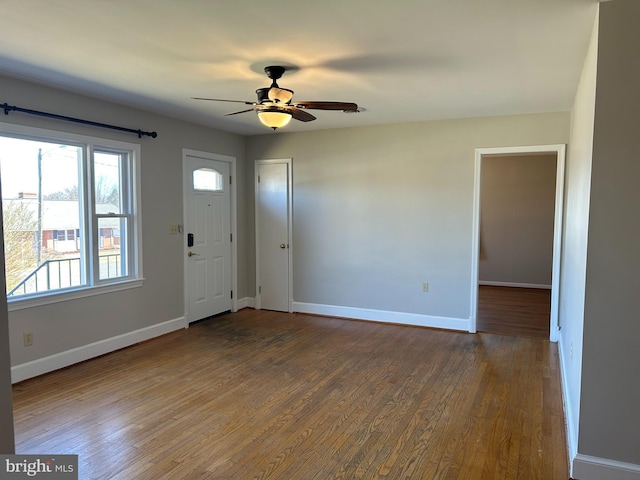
x: 514, y: 311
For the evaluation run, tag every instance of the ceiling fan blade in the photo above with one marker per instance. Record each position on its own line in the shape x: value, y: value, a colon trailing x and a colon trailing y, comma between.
x: 241, y: 111
x: 222, y: 100
x: 300, y: 114
x: 343, y: 106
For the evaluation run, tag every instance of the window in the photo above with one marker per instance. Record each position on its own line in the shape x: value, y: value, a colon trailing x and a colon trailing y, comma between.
x: 112, y: 212
x: 70, y: 216
x: 208, y: 179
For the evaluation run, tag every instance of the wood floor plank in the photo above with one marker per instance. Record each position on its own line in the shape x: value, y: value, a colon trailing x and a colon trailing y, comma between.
x: 267, y: 395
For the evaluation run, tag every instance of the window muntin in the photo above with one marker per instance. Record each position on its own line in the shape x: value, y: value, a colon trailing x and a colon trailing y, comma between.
x: 65, y: 194
x: 208, y: 179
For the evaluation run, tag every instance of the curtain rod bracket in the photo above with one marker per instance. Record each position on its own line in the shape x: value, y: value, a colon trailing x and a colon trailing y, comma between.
x: 12, y: 108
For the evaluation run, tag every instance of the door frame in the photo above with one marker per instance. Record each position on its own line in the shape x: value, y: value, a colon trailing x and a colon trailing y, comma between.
x: 560, y: 151
x: 233, y: 205
x: 289, y: 163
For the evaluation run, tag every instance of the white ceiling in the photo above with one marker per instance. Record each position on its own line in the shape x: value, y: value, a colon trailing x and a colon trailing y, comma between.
x: 402, y: 60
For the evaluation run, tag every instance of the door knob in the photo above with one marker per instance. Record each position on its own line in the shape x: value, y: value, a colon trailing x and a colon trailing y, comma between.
x: 191, y: 254
x: 282, y: 245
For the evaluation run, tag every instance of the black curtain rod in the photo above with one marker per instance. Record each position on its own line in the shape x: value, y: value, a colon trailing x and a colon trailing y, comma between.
x: 10, y: 108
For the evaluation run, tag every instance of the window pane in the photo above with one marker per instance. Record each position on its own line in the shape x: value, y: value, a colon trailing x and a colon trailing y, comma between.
x: 112, y: 247
x: 40, y: 204
x: 207, y: 179
x: 108, y: 191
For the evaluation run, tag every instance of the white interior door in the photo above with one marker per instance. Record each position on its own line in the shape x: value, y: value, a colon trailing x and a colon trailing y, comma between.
x: 207, y: 236
x: 273, y: 234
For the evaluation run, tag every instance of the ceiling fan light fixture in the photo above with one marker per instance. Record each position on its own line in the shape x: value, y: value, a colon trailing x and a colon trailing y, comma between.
x: 274, y: 118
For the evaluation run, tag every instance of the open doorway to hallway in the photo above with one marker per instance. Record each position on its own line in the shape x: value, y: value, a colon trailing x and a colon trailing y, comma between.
x: 518, y: 223
x: 516, y: 243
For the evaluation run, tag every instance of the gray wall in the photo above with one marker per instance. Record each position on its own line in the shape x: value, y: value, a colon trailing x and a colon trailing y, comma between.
x: 516, y: 219
x: 610, y: 398
x: 66, y: 325
x: 379, y: 210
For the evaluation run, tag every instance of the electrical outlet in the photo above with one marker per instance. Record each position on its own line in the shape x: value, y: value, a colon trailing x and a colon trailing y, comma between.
x: 425, y: 287
x: 173, y: 229
x: 28, y: 339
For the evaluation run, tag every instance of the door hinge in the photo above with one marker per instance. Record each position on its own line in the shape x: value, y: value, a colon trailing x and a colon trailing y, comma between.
x: 230, y: 179
x: 231, y: 237
x: 260, y: 289
x: 258, y: 178
x: 231, y: 293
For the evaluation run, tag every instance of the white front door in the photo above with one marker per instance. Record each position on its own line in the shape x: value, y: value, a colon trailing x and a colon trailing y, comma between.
x: 207, y: 237
x: 273, y: 234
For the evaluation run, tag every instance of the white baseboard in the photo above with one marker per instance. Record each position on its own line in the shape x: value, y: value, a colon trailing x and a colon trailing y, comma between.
x: 513, y: 284
x: 383, y: 316
x: 586, y: 467
x: 80, y: 354
x: 246, y: 302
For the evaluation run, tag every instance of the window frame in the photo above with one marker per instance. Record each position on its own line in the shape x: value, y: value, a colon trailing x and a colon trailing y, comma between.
x: 130, y: 182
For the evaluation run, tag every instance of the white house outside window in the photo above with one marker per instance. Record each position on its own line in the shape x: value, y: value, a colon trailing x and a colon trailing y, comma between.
x: 70, y: 218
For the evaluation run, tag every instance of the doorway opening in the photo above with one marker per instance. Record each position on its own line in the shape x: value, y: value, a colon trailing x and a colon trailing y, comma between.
x: 517, y: 238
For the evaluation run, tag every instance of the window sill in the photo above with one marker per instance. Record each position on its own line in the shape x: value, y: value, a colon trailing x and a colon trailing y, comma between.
x: 46, y: 299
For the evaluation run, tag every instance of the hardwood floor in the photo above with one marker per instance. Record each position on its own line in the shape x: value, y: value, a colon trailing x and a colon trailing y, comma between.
x: 266, y: 395
x: 514, y: 311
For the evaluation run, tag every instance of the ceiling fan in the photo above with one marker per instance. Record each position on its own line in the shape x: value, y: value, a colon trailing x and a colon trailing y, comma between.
x: 275, y: 108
